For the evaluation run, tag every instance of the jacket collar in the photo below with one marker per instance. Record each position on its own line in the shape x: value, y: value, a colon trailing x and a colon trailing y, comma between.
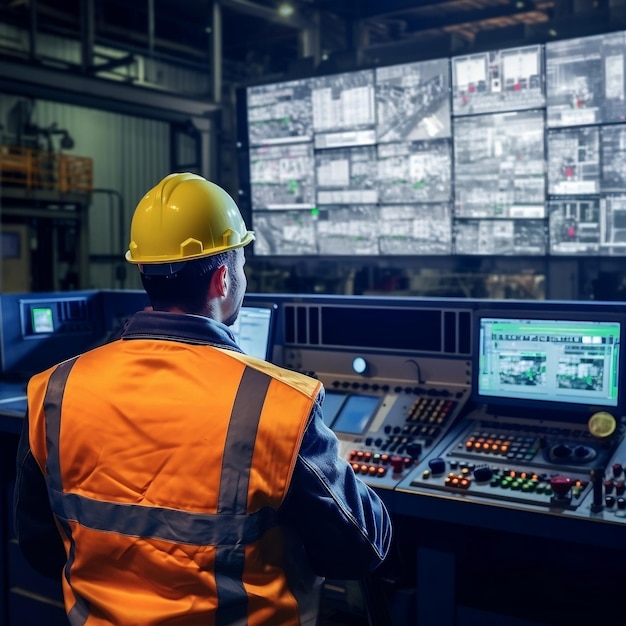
x: 180, y: 327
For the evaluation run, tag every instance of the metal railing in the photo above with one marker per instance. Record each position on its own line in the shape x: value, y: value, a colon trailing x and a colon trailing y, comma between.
x: 33, y: 168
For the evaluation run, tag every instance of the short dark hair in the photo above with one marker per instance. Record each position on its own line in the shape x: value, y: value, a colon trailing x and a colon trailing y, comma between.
x: 187, y: 288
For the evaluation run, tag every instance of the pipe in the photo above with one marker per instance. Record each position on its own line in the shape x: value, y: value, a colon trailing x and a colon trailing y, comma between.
x: 113, y: 193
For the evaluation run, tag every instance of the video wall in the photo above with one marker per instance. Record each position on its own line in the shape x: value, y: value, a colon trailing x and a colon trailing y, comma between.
x: 520, y: 151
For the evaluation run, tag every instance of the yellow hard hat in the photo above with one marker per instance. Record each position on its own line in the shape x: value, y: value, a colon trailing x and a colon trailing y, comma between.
x: 185, y: 217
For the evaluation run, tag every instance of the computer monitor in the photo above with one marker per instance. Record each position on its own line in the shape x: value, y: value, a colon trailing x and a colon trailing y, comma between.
x: 254, y: 329
x: 557, y: 365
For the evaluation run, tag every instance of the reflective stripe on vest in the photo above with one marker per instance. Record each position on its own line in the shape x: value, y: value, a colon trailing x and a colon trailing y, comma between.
x: 230, y: 530
x: 53, y: 400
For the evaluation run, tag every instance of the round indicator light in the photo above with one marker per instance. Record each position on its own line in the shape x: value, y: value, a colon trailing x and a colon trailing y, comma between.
x: 359, y: 365
x: 602, y: 424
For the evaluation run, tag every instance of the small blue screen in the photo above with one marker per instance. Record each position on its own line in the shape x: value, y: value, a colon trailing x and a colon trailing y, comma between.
x: 355, y: 414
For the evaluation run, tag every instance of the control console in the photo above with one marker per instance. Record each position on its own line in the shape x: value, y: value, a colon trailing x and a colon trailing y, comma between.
x: 546, y: 417
x: 543, y: 463
x: 385, y: 429
x: 388, y: 410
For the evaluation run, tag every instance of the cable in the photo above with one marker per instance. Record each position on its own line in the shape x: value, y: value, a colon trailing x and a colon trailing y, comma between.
x: 418, y: 370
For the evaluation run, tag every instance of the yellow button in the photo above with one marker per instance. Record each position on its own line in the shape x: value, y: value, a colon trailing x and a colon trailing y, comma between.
x: 601, y: 424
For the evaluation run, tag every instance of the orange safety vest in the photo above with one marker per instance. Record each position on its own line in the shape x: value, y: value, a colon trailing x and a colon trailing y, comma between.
x: 165, y: 464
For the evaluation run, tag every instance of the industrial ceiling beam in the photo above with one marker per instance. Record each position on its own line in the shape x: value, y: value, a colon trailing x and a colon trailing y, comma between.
x: 518, y: 10
x: 369, y: 9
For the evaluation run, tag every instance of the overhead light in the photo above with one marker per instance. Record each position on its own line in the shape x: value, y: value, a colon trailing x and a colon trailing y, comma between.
x: 285, y: 9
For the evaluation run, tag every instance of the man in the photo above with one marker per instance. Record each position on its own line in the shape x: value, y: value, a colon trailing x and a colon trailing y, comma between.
x: 190, y: 484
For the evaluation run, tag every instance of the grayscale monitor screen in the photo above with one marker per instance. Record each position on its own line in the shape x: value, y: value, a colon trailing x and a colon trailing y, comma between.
x: 254, y: 330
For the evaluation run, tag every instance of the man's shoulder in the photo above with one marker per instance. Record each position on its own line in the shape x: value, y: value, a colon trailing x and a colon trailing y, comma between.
x: 306, y: 384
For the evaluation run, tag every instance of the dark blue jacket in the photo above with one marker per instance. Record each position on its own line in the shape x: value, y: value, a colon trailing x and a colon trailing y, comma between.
x: 342, y: 523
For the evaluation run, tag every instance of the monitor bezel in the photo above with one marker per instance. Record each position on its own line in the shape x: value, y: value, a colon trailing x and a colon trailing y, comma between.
x: 550, y: 410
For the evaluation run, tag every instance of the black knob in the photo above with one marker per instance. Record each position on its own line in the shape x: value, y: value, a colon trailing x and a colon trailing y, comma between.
x: 561, y: 451
x: 483, y: 473
x: 583, y: 452
x: 437, y: 465
x: 413, y: 449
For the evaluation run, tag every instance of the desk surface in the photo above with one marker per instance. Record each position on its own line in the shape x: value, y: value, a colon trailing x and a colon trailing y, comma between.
x: 12, y: 406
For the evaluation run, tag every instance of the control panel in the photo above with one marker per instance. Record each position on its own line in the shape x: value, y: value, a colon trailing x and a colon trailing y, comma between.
x: 406, y: 424
x: 388, y: 411
x: 552, y: 465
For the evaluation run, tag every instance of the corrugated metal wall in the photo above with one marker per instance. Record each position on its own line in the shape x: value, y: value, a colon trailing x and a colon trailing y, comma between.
x: 130, y: 155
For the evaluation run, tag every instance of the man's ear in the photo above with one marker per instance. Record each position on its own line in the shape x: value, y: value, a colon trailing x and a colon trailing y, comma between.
x: 219, y: 286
